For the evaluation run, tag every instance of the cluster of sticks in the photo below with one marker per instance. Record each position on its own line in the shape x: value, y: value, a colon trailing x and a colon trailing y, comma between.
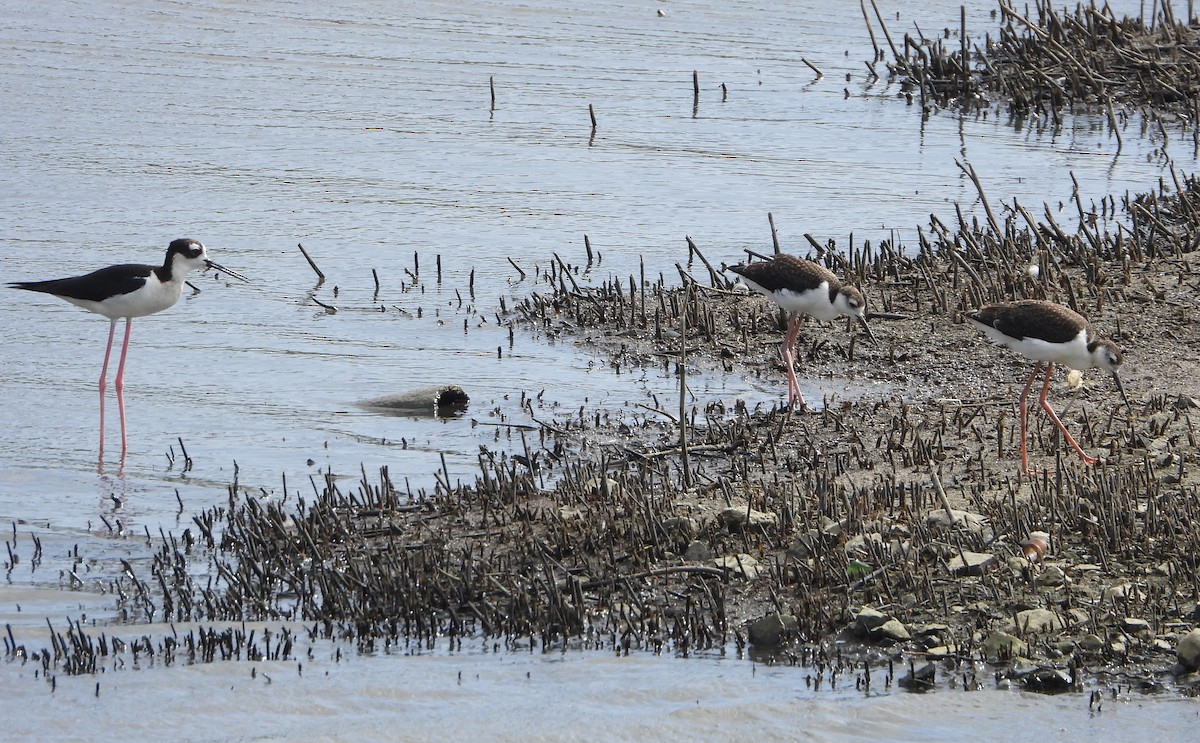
x: 1049, y: 61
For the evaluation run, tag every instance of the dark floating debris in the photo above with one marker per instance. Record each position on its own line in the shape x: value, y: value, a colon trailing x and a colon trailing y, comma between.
x: 447, y: 400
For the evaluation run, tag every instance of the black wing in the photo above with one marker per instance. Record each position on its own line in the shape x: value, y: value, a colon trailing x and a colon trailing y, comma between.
x: 95, y: 286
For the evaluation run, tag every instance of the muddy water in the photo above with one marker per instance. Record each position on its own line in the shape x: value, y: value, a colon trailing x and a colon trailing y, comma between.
x: 367, y: 134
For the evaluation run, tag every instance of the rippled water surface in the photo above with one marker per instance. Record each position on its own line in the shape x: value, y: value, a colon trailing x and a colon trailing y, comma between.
x: 366, y: 132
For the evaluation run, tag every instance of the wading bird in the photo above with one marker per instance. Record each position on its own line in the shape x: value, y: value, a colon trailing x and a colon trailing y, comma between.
x: 1048, y: 332
x: 127, y: 291
x: 802, y: 288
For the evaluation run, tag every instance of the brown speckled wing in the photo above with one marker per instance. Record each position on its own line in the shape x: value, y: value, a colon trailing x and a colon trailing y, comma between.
x: 1033, y: 318
x: 787, y: 272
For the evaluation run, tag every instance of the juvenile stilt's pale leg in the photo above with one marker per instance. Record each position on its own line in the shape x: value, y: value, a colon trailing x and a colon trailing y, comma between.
x: 112, y: 328
x: 1054, y: 417
x: 1045, y: 405
x: 789, y: 362
x: 1025, y: 417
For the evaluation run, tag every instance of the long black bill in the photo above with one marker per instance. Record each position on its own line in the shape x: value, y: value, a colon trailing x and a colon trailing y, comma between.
x: 222, y: 269
x: 1121, y: 387
x: 863, y: 322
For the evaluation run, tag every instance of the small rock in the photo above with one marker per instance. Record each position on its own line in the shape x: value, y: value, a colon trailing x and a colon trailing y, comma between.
x: 879, y: 626
x: 742, y: 564
x: 957, y: 519
x: 1123, y: 590
x: 1188, y: 651
x: 597, y: 487
x: 1003, y: 646
x: 1135, y: 626
x: 868, y: 619
x: 742, y: 519
x: 681, y: 528
x: 1091, y: 643
x: 971, y: 563
x: 919, y: 679
x: 892, y: 629
x: 772, y: 629
x: 697, y: 551
x: 939, y: 652
x: 1038, y: 622
x: 1050, y: 576
x: 1047, y: 681
x: 802, y: 547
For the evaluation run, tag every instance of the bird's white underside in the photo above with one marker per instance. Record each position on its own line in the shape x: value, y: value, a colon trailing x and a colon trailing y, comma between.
x: 1074, y: 353
x: 812, y: 302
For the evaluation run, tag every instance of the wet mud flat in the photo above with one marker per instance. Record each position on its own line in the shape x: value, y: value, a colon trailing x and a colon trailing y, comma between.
x: 886, y: 535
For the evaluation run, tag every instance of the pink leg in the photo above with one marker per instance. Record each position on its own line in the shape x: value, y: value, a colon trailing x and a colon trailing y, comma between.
x: 1053, y: 416
x: 112, y: 328
x: 1025, y: 416
x: 120, y: 383
x: 789, y: 362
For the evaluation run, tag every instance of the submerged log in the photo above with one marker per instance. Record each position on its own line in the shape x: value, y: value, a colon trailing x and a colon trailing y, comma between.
x: 443, y: 400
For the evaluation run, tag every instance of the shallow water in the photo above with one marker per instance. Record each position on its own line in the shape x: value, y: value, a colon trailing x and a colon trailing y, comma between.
x: 408, y: 696
x: 366, y: 133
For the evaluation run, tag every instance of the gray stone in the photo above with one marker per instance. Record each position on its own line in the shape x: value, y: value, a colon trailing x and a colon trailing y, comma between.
x: 742, y: 519
x: 772, y: 629
x: 1050, y: 576
x: 1188, y: 650
x: 919, y: 679
x: 742, y: 564
x: 1038, y: 622
x: 892, y: 629
x: 597, y: 487
x: 868, y: 619
x: 697, y: 551
x: 879, y: 626
x: 1003, y: 646
x: 1123, y: 590
x: 971, y: 563
x: 680, y: 528
x: 1135, y: 626
x: 1047, y: 681
x: 802, y: 547
x: 957, y: 519
x: 1091, y: 643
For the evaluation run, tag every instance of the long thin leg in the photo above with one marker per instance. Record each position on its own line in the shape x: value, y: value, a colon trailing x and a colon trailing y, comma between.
x: 1025, y: 416
x: 120, y: 383
x: 1054, y: 417
x: 112, y: 328
x: 789, y: 362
